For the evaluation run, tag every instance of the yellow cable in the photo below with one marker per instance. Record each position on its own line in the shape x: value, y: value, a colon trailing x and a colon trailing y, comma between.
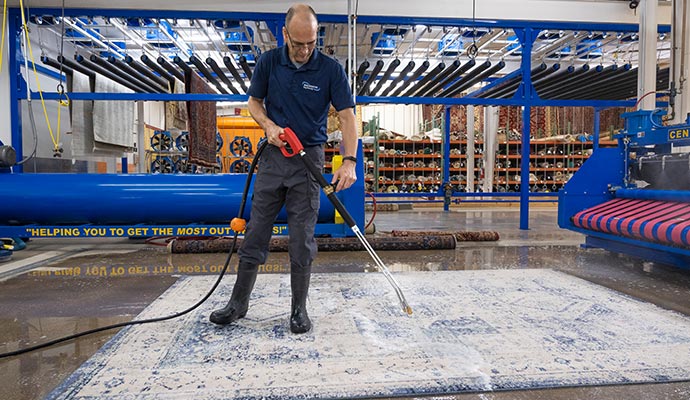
x: 55, y: 140
x: 4, y: 27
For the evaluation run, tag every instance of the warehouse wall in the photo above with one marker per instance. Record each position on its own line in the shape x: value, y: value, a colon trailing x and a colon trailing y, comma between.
x: 154, y: 114
x: 398, y: 118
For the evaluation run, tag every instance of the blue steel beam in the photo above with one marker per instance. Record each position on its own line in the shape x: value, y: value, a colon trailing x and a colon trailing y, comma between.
x: 527, y: 38
x: 13, y: 29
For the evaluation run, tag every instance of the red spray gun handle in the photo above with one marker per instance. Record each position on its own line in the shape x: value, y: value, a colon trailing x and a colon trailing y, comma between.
x: 293, y: 146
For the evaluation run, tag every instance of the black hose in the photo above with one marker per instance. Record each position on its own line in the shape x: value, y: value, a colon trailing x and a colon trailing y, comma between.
x: 245, y: 193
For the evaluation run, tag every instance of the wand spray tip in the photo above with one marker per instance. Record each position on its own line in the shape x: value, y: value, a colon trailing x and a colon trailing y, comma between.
x: 408, y: 310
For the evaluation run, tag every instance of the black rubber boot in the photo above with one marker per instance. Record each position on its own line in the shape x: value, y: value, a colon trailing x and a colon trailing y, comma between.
x: 239, y: 300
x: 299, y: 319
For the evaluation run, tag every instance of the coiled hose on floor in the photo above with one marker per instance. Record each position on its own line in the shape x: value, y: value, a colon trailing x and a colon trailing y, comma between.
x: 236, y: 223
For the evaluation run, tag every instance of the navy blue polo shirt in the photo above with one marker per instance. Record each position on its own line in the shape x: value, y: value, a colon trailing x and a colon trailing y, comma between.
x: 300, y: 98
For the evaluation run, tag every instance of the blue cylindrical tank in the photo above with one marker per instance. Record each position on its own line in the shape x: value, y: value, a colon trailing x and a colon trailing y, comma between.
x: 56, y: 199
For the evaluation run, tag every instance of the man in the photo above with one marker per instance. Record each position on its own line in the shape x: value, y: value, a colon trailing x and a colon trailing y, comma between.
x: 292, y: 86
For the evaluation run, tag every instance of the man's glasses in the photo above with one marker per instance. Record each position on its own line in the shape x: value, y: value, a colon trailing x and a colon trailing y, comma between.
x: 299, y: 45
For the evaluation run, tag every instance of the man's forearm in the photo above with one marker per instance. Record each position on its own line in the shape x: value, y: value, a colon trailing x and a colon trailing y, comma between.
x: 258, y: 112
x: 349, y: 131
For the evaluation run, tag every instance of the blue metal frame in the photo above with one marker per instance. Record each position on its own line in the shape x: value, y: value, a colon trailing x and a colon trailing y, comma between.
x: 525, y: 96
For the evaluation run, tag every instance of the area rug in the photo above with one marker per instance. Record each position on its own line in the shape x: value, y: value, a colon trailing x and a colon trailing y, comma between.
x: 201, y: 121
x: 470, y: 331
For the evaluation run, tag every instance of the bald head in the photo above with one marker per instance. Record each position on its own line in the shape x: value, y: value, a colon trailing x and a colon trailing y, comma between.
x: 302, y: 14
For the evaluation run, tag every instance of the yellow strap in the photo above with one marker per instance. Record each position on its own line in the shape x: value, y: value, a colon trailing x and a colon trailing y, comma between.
x: 4, y: 28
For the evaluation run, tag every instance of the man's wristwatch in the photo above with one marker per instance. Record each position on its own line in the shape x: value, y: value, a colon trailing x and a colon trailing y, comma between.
x: 351, y: 158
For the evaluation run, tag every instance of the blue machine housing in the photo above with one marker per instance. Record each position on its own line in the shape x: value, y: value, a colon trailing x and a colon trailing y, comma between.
x: 122, y: 205
x: 606, y: 175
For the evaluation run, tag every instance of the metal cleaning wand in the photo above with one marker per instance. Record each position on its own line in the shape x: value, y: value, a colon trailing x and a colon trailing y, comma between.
x: 294, y: 147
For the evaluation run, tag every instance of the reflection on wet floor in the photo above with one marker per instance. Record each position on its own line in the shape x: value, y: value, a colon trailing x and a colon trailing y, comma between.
x: 102, y: 282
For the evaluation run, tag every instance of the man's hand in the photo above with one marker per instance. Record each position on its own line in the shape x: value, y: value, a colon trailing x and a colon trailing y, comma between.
x: 273, y: 133
x: 345, y: 176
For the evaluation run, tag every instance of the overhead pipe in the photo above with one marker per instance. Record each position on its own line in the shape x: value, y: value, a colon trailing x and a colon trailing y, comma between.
x: 547, y: 88
x: 399, y: 78
x: 107, y: 46
x: 214, y: 66
x: 512, y: 84
x: 138, y: 78
x: 563, y: 42
x: 628, y: 88
x: 233, y: 71
x: 510, y: 91
x: 101, y: 62
x: 572, y: 82
x: 77, y: 67
x: 245, y: 67
x: 489, y: 72
x: 102, y: 71
x: 547, y: 80
x: 611, y: 75
x: 501, y: 84
x: 450, y: 78
x: 456, y: 64
x: 606, y: 84
x: 614, y: 82
x: 391, y: 67
x: 160, y: 70
x: 471, y: 75
x: 429, y: 76
x: 630, y: 92
x: 116, y: 72
x: 372, y: 77
x: 164, y: 29
x: 182, y: 64
x: 595, y: 75
x: 204, y: 71
x: 361, y: 70
x: 417, y: 73
x: 170, y: 68
x: 52, y: 63
x: 621, y: 83
x: 147, y: 73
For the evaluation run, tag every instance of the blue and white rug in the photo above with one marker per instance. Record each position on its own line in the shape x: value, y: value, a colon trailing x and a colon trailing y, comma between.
x: 470, y: 331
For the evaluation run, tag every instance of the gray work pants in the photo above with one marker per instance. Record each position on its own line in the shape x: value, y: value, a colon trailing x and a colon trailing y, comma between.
x: 284, y: 181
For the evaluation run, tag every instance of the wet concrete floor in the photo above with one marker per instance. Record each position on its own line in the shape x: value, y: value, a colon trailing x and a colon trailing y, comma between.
x: 58, y: 287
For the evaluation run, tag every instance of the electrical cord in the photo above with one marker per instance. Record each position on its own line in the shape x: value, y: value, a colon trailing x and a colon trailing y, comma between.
x: 373, y: 215
x: 55, y: 138
x: 166, y: 317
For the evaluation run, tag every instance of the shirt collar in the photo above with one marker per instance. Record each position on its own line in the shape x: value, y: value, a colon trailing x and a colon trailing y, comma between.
x: 313, y: 62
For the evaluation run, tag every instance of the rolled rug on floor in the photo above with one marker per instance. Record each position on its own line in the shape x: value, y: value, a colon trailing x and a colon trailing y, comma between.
x: 280, y: 244
x: 462, y: 236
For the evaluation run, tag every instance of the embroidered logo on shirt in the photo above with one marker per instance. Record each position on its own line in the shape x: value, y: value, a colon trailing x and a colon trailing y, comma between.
x: 308, y: 86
